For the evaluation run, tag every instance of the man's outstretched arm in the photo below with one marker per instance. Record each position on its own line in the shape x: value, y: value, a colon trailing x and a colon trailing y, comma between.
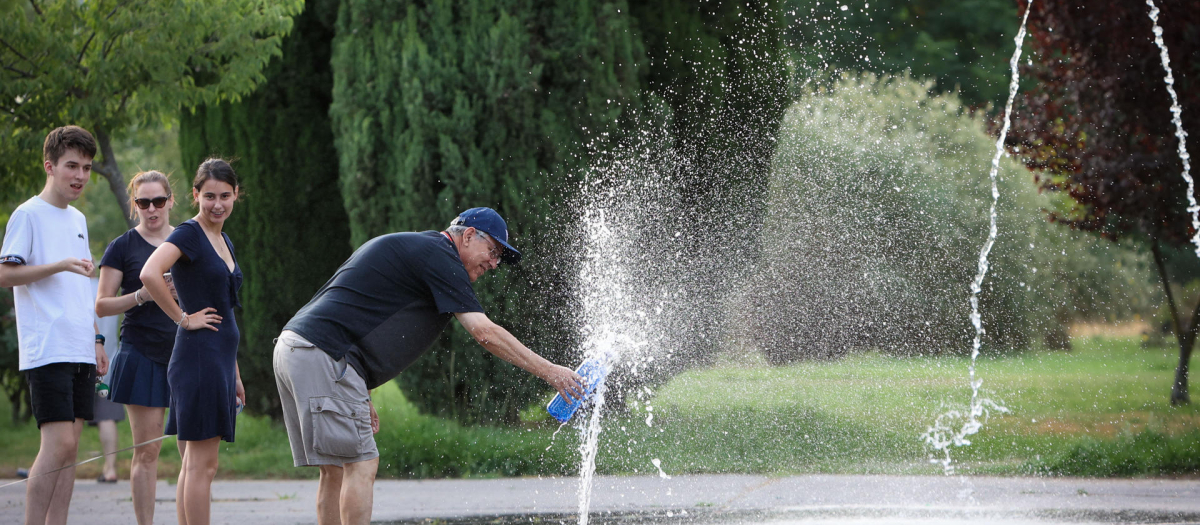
x: 18, y: 274
x: 502, y: 344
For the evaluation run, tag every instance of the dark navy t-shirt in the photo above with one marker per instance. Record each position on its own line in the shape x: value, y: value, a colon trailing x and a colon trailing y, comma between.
x: 145, y: 327
x: 387, y: 303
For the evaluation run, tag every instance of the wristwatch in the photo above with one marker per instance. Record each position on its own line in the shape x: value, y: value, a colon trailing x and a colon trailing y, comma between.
x: 100, y: 338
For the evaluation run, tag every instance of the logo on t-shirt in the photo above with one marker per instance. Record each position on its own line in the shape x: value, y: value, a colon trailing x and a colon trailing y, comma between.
x: 80, y: 235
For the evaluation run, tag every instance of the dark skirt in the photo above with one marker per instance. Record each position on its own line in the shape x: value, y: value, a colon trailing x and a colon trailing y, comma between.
x: 136, y: 380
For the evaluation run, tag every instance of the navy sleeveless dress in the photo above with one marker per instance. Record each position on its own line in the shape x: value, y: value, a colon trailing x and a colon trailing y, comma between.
x: 202, y: 371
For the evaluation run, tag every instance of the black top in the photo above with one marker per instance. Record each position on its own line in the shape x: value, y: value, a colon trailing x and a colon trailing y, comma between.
x: 145, y: 327
x: 387, y: 303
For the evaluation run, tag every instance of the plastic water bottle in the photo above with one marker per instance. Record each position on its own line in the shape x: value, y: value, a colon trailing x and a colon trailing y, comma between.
x: 593, y: 373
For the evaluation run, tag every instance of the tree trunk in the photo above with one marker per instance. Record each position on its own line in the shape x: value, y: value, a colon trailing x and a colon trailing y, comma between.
x: 1186, y: 338
x: 112, y: 173
x: 1179, y: 389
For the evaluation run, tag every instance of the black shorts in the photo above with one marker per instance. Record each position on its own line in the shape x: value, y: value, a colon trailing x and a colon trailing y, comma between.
x: 62, y: 392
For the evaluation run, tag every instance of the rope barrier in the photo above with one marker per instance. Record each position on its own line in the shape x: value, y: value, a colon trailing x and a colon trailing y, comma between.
x: 89, y: 460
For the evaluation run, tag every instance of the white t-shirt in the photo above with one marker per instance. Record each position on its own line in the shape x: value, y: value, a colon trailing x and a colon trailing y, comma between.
x: 54, y: 315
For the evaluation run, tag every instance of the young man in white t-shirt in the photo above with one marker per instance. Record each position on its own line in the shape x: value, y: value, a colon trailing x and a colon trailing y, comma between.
x: 46, y: 259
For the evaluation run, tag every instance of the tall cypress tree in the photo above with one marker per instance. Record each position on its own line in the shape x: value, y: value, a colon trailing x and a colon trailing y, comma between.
x: 441, y: 106
x: 289, y: 226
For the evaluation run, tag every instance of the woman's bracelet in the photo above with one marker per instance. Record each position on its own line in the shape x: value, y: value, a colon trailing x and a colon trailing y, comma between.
x: 183, y: 322
x: 137, y: 296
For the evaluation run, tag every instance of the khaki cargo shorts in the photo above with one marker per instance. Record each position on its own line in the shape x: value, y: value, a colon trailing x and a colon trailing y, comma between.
x: 325, y: 405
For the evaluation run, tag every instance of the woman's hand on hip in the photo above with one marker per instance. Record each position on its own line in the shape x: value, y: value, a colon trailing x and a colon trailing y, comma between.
x: 206, y: 318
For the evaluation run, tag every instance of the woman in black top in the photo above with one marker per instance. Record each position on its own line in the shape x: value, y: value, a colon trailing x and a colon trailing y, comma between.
x: 139, y: 372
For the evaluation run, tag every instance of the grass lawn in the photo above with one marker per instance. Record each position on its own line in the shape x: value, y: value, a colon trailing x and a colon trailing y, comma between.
x: 1099, y: 410
x: 1069, y: 412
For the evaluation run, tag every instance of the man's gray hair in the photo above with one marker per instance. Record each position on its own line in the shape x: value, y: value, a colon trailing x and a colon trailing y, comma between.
x: 458, y: 229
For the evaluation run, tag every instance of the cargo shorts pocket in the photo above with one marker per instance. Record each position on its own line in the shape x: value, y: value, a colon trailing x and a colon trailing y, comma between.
x: 340, y: 428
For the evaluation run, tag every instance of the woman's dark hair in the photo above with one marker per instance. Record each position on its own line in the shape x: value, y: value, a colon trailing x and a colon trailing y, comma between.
x: 215, y: 169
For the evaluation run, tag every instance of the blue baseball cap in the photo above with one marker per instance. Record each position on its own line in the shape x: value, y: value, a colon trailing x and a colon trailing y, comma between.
x: 488, y: 221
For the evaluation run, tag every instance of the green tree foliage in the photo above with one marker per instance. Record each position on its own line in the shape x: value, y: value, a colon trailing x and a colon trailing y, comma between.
x: 107, y: 64
x: 963, y: 45
x: 877, y: 209
x: 289, y: 226
x: 441, y: 106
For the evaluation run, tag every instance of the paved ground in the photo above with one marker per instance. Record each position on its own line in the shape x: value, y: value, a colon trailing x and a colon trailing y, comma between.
x: 700, y: 499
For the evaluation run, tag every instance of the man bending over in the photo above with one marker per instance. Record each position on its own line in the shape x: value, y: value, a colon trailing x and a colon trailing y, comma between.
x: 379, y: 312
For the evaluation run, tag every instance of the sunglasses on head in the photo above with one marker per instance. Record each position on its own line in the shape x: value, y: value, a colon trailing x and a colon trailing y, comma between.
x: 158, y: 202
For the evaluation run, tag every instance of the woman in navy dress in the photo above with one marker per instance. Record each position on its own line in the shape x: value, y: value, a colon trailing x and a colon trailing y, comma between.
x: 206, y: 387
x: 139, y: 372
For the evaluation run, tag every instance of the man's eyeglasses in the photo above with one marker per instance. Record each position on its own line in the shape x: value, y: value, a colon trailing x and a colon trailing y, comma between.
x: 158, y: 202
x: 496, y: 250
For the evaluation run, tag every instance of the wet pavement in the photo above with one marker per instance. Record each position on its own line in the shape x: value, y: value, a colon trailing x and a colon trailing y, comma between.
x: 725, y: 499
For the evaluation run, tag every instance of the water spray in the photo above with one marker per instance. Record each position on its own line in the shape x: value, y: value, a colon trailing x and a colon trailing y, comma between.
x: 941, y: 435
x: 1177, y: 119
x: 594, y: 370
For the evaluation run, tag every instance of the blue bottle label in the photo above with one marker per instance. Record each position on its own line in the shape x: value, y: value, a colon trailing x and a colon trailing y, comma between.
x: 593, y: 373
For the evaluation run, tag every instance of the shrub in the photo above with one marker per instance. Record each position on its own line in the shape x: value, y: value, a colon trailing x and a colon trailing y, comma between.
x: 877, y: 211
x: 12, y: 381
